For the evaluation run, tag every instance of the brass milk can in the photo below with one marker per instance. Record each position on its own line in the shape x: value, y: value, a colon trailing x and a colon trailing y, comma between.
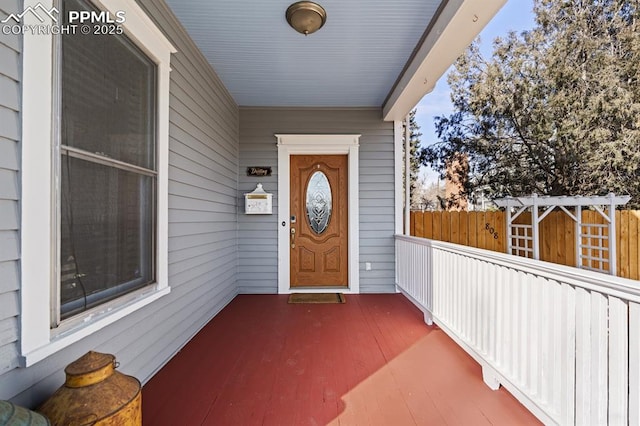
x: 95, y: 394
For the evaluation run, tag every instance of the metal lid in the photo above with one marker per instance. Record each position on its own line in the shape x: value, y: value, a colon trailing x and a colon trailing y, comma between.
x: 91, y: 368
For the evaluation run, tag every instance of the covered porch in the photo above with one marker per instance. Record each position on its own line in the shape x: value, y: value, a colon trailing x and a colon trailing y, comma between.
x: 370, y: 361
x: 214, y: 340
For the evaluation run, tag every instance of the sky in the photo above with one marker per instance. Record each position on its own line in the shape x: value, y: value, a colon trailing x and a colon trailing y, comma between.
x: 516, y: 15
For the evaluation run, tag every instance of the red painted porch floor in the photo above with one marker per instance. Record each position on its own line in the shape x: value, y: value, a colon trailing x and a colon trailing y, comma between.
x: 371, y: 361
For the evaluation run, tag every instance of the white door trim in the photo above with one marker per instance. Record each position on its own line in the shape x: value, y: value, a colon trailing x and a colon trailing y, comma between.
x: 322, y: 145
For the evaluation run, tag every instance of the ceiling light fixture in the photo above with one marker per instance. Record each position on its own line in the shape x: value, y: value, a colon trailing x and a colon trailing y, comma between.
x: 306, y: 17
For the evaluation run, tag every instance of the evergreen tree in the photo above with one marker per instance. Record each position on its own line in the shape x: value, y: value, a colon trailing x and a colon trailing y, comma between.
x: 414, y: 152
x: 555, y: 111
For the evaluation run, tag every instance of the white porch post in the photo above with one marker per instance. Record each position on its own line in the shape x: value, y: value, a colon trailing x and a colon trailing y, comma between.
x: 397, y: 136
x: 407, y: 177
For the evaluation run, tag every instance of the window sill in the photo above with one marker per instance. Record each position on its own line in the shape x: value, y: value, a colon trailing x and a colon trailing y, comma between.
x: 89, y: 326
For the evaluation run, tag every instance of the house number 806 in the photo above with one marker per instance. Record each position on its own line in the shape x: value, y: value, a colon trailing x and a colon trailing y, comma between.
x: 491, y: 230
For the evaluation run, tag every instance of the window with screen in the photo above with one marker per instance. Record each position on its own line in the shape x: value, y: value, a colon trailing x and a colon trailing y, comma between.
x: 107, y: 169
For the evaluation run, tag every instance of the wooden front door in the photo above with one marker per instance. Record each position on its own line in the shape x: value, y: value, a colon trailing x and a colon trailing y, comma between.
x: 319, y: 221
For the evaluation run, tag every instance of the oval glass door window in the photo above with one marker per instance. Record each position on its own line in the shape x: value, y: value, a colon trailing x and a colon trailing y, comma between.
x: 319, y: 203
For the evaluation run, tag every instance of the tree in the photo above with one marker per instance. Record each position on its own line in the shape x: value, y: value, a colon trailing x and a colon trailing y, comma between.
x: 555, y: 110
x: 414, y: 154
x: 428, y: 196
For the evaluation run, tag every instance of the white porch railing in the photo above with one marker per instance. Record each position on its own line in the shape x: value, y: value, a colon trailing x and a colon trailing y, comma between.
x: 563, y: 341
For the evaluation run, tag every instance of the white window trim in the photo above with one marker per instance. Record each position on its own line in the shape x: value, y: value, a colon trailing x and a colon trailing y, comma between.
x: 308, y: 145
x: 37, y: 341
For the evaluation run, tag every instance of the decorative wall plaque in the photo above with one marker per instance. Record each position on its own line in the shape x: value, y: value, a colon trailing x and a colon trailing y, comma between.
x: 258, y: 171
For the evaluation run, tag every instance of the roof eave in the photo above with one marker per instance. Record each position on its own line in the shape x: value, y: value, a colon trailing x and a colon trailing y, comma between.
x: 456, y: 26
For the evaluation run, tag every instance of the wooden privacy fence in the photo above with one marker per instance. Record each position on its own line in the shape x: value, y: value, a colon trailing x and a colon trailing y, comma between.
x: 487, y: 230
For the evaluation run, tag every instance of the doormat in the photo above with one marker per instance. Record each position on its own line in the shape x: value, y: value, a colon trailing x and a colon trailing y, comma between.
x: 317, y: 298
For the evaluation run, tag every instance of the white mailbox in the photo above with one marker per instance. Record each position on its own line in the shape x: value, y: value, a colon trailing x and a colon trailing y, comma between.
x: 258, y: 201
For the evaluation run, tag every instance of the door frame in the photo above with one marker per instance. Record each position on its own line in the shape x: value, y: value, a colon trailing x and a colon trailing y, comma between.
x: 298, y: 144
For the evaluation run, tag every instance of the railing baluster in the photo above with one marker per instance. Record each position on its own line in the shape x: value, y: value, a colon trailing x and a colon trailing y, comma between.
x: 543, y: 302
x: 583, y: 356
x: 555, y: 335
x: 565, y: 342
x: 523, y: 330
x: 618, y: 361
x: 599, y: 360
x: 473, y: 312
x: 502, y: 325
x: 634, y: 364
x: 568, y: 355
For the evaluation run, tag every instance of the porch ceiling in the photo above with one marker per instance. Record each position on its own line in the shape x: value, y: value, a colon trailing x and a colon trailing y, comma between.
x: 353, y: 61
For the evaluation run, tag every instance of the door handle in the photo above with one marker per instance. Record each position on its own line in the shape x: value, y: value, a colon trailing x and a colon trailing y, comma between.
x: 293, y: 237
